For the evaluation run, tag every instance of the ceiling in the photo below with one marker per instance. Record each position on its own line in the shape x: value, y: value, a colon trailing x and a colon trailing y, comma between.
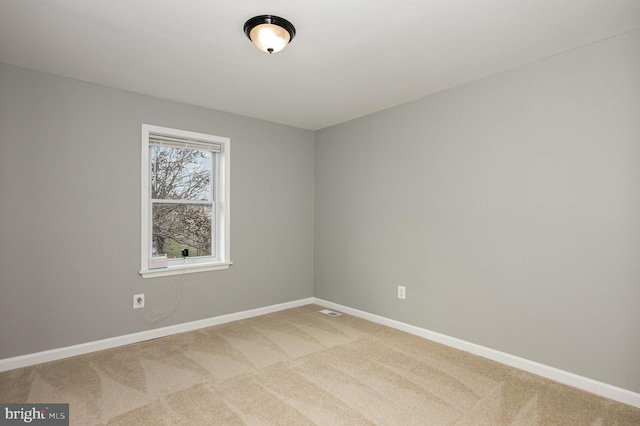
x: 348, y: 59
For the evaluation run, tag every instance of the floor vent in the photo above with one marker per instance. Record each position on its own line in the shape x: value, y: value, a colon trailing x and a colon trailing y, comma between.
x: 330, y: 313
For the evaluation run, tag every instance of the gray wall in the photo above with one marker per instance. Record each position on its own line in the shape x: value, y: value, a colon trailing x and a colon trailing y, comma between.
x: 508, y: 207
x: 70, y: 214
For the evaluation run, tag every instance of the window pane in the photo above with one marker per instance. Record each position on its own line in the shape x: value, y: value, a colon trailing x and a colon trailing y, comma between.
x: 179, y: 226
x: 181, y: 174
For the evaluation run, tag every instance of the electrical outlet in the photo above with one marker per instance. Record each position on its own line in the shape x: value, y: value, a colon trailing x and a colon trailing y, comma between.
x: 138, y: 301
x: 402, y: 292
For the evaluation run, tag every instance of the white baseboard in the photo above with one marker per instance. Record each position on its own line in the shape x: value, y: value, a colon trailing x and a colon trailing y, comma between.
x: 599, y: 388
x: 98, y: 345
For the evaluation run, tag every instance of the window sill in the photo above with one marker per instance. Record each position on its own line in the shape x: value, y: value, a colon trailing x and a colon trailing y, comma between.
x: 184, y: 269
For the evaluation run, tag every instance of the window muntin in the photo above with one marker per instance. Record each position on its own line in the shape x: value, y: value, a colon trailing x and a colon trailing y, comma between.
x: 185, y: 200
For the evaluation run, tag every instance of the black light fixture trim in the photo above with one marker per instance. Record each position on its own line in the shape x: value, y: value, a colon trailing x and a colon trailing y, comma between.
x: 269, y: 19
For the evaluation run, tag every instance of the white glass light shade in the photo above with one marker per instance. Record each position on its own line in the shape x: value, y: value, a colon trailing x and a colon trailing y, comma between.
x: 269, y: 33
x: 269, y: 38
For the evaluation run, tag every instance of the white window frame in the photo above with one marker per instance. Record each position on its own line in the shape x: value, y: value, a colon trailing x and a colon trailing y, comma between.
x: 222, y: 206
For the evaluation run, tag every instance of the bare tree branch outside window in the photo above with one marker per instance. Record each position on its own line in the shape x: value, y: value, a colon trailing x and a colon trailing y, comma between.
x: 182, y: 178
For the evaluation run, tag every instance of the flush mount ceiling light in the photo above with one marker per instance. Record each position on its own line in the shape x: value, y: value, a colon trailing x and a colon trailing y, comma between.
x: 269, y: 33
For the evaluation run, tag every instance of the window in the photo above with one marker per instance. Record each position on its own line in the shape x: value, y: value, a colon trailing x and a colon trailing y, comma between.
x: 185, y: 202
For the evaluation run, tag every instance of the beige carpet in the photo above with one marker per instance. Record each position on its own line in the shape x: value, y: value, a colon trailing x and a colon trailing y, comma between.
x: 301, y: 367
